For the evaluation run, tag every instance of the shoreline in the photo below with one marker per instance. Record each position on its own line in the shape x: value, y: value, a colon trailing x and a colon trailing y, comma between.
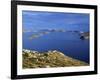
x: 54, y: 58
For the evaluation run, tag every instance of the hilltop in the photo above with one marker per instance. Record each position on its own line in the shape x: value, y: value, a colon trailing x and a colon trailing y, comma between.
x: 34, y: 59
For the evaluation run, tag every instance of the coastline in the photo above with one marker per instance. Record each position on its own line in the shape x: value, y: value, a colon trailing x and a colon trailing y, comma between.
x: 54, y: 58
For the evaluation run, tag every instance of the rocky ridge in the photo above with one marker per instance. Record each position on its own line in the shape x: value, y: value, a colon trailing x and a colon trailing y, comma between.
x: 35, y: 59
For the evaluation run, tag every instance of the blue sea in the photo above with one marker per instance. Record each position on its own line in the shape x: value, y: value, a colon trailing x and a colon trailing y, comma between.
x: 67, y: 42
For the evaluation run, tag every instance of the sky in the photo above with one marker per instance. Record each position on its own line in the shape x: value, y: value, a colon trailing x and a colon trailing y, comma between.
x: 37, y: 20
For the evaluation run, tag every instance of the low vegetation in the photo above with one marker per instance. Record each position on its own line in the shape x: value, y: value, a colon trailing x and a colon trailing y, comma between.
x: 34, y: 59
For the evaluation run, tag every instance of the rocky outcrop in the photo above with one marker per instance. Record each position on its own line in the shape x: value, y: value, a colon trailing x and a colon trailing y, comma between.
x: 84, y: 35
x: 34, y: 59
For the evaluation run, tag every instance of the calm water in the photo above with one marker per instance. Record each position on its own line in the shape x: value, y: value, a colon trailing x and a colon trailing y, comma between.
x: 67, y: 42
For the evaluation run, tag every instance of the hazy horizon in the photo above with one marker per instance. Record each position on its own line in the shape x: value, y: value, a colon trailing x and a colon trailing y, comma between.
x: 37, y: 20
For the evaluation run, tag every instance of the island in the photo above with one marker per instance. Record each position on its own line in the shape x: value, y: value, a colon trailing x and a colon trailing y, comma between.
x: 49, y: 59
x: 84, y: 35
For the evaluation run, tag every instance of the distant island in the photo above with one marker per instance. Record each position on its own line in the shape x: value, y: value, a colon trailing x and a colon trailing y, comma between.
x: 35, y: 59
x: 83, y: 35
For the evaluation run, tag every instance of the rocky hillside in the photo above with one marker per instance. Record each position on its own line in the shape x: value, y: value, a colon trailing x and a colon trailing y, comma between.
x: 34, y: 59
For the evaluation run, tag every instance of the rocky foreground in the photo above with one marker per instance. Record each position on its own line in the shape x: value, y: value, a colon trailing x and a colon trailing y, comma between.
x: 34, y: 59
